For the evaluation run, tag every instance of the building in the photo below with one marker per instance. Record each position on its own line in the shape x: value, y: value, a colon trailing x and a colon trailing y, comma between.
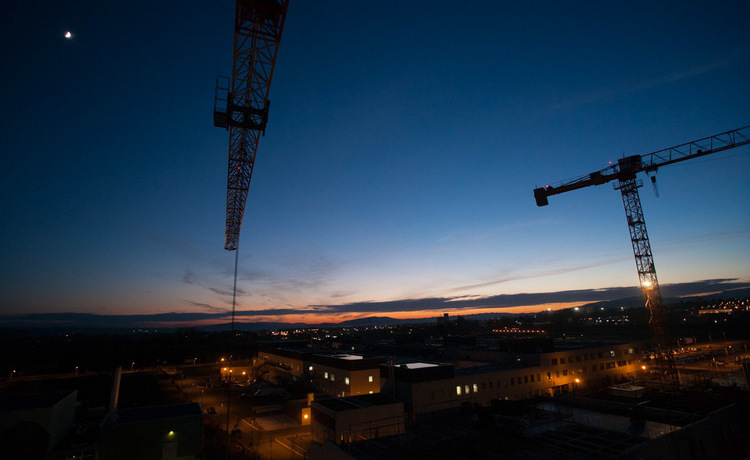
x: 334, y: 375
x: 280, y: 365
x: 345, y: 375
x: 692, y: 425
x: 173, y: 431
x: 355, y: 418
x: 37, y: 421
x: 486, y: 375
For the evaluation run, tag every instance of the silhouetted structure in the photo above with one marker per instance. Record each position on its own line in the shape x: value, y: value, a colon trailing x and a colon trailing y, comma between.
x: 625, y: 172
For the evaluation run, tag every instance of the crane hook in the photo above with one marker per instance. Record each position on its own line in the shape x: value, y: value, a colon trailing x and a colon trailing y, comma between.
x: 656, y: 187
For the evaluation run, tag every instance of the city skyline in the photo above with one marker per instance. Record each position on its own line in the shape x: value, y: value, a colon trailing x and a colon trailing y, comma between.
x: 398, y: 164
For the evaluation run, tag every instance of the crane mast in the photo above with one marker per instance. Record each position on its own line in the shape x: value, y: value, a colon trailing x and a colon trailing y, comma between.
x: 625, y: 173
x: 241, y: 104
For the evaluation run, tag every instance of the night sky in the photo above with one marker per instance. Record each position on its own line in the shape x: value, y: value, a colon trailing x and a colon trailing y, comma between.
x: 403, y: 144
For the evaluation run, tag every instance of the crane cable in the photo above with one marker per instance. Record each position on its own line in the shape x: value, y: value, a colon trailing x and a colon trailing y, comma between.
x: 231, y: 354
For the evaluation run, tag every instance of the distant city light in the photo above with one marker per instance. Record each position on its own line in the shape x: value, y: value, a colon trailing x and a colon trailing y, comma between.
x: 68, y: 35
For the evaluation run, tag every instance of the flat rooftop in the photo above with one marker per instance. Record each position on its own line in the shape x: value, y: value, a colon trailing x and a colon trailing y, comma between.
x: 167, y: 411
x: 348, y: 357
x: 356, y: 402
x: 417, y: 365
x: 33, y: 400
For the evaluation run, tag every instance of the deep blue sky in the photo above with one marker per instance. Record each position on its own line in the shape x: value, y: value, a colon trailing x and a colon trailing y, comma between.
x: 404, y: 141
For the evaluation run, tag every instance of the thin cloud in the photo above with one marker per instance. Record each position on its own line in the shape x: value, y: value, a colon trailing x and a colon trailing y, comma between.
x: 558, y: 271
x: 208, y: 307
x: 191, y: 278
x: 622, y: 88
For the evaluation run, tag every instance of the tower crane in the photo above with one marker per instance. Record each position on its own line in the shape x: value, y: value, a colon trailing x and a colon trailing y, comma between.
x: 625, y: 172
x: 241, y: 105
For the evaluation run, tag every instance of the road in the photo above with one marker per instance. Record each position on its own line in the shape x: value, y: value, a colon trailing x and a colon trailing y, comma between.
x: 290, y: 442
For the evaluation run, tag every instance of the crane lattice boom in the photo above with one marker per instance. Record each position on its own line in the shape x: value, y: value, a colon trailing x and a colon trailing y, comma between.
x: 241, y: 106
x: 648, y: 163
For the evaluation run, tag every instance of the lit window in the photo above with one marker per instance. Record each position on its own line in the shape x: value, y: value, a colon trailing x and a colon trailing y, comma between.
x: 310, y: 368
x: 369, y: 378
x: 475, y: 388
x: 325, y: 375
x: 346, y: 380
x: 333, y: 377
x: 466, y: 389
x: 611, y: 352
x: 458, y: 390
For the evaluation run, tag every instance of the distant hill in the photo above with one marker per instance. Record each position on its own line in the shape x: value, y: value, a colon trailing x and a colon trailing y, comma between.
x: 117, y: 324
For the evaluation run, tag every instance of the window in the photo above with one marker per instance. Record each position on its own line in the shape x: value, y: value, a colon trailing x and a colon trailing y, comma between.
x: 475, y: 388
x: 370, y: 391
x: 346, y: 380
x: 557, y: 374
x: 532, y: 377
x: 578, y: 358
x: 325, y: 375
x: 525, y: 379
x: 549, y: 376
x: 562, y: 360
x: 310, y: 368
x: 458, y: 390
x: 554, y: 361
x: 333, y: 377
x: 512, y: 381
x: 466, y: 389
x: 611, y: 352
x: 369, y: 378
x: 601, y: 366
x: 565, y: 372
